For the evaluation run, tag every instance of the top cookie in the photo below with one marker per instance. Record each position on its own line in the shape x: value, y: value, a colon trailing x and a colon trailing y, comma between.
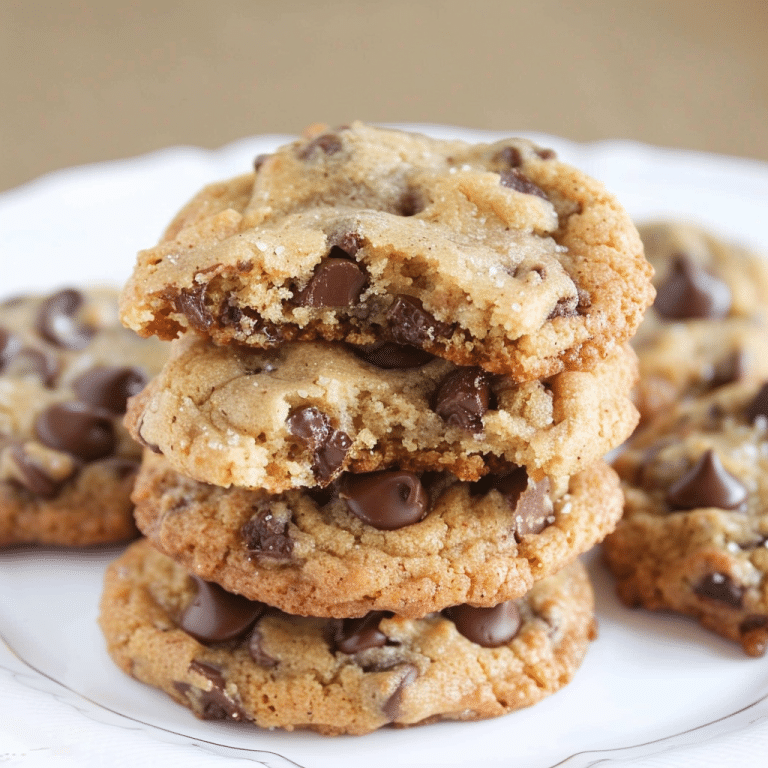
x: 492, y: 255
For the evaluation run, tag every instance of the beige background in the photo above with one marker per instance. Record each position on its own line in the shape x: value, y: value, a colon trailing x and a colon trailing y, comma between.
x: 87, y: 81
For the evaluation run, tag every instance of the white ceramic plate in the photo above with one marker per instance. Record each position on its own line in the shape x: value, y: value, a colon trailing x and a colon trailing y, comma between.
x: 651, y: 684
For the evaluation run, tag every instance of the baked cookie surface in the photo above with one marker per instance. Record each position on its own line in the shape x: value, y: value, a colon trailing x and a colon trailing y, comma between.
x: 393, y: 540
x: 67, y: 464
x: 252, y: 663
x: 693, y: 536
x: 300, y: 415
x: 709, y: 323
x: 496, y: 256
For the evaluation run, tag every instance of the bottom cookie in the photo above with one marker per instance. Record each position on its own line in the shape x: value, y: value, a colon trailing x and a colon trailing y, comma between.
x: 339, y: 676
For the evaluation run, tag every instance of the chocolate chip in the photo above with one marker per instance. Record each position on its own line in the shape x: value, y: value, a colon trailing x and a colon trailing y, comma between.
x: 336, y: 282
x: 215, y: 615
x: 489, y: 627
x: 33, y: 477
x: 391, y: 707
x: 732, y: 368
x: 385, y: 500
x: 720, y: 587
x: 32, y: 362
x: 259, y: 160
x: 462, y: 398
x: 230, y: 315
x: 515, y: 179
x: 529, y: 500
x: 216, y: 704
x: 327, y: 143
x: 511, y: 157
x: 707, y: 484
x: 77, y: 429
x: 545, y: 153
x: 329, y: 446
x: 348, y: 242
x: 410, y: 323
x: 106, y: 387
x: 691, y: 292
x: 759, y: 406
x: 191, y: 303
x: 355, y: 635
x: 389, y: 355
x: 266, y: 536
x: 57, y: 322
x: 257, y: 652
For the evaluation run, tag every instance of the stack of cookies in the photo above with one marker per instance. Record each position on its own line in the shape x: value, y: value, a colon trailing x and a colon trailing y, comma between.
x: 375, y: 452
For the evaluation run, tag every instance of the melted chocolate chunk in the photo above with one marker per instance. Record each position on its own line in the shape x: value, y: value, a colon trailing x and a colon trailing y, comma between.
x: 759, y: 406
x: 32, y: 362
x: 216, y: 703
x: 391, y: 707
x: 329, y: 446
x: 355, y: 635
x: 489, y: 627
x: 385, y: 500
x: 336, y: 282
x: 77, y: 429
x: 191, y: 303
x: 707, y: 484
x: 266, y: 536
x: 257, y: 652
x: 57, y: 320
x: 215, y: 615
x: 515, y: 179
x: 33, y: 477
x: 720, y: 587
x: 327, y: 143
x: 691, y: 292
x: 410, y: 323
x: 462, y: 398
x: 389, y: 355
x: 106, y: 387
x: 528, y: 499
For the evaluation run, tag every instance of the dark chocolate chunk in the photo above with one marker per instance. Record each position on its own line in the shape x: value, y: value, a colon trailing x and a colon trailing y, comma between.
x: 33, y: 477
x: 511, y: 157
x: 336, y: 282
x: 691, y: 292
x: 32, y: 362
x: 215, y: 615
x: 355, y: 635
x: 489, y: 627
x: 57, y: 320
x: 391, y: 707
x: 265, y: 536
x: 191, y: 303
x: 329, y: 446
x: 257, y: 652
x: 410, y: 323
x: 216, y: 703
x: 707, y: 484
x: 528, y: 499
x: 721, y: 587
x: 759, y: 405
x: 515, y: 179
x: 106, y: 387
x: 385, y: 500
x: 389, y: 355
x: 77, y: 429
x: 327, y: 143
x: 462, y: 398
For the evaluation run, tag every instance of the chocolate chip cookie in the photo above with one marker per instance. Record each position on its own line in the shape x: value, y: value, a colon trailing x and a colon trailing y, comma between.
x: 227, y: 658
x: 303, y: 413
x: 709, y: 323
x: 497, y: 256
x: 693, y: 537
x: 392, y: 540
x: 67, y: 465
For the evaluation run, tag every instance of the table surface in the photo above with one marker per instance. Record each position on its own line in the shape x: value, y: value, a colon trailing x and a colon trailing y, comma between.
x: 89, y: 80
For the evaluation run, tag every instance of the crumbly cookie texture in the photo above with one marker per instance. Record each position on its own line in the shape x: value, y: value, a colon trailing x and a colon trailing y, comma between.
x: 300, y: 415
x: 497, y: 256
x: 324, y: 553
x: 337, y: 677
x: 693, y: 537
x: 67, y: 464
x: 708, y: 326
